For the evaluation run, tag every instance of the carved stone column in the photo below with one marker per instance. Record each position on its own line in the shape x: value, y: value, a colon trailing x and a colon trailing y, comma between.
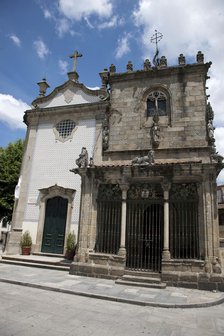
x: 166, y: 251
x: 122, y: 249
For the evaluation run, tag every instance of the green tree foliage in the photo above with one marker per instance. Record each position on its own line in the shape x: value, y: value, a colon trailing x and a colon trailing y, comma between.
x: 10, y: 163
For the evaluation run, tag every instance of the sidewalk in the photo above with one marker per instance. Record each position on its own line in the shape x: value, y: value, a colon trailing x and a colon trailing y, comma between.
x: 59, y: 281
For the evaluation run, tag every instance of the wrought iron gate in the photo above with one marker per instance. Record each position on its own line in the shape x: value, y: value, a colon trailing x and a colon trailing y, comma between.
x: 184, y: 226
x: 144, y: 230
x: 108, y: 219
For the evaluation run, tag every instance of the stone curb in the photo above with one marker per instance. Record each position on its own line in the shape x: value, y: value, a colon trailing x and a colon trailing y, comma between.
x: 114, y: 298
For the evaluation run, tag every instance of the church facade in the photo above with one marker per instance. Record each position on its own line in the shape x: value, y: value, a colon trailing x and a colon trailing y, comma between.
x: 132, y: 169
x: 58, y: 126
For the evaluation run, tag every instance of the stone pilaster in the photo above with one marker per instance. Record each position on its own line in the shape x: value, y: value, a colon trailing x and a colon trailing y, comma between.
x: 122, y: 249
x: 13, y: 242
x: 84, y: 217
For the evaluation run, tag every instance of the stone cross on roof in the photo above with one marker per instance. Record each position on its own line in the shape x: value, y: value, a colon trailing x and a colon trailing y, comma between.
x: 75, y: 56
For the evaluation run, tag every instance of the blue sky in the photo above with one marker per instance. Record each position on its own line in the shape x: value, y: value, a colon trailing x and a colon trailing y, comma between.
x: 37, y: 37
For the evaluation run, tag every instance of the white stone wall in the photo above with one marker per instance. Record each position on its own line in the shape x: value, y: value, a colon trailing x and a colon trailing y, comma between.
x: 51, y: 163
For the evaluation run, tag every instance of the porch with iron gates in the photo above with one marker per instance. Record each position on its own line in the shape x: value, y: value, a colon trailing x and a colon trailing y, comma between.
x: 144, y: 228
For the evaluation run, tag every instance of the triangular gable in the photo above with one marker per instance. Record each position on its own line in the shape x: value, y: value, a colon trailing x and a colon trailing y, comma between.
x: 70, y: 93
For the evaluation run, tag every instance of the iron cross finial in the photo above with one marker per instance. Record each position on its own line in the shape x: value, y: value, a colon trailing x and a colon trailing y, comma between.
x: 75, y: 56
x: 155, y: 39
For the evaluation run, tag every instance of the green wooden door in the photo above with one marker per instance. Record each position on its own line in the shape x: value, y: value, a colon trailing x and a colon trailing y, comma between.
x: 54, y: 225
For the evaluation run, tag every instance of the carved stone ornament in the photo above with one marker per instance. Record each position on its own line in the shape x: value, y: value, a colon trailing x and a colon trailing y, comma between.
x: 181, y: 59
x: 144, y: 160
x: 68, y: 95
x: 82, y: 161
x: 144, y: 191
x: 129, y: 66
x: 216, y: 267
x: 115, y: 117
x: 109, y: 192
x: 147, y: 65
x: 163, y: 62
x: 184, y: 191
x: 105, y: 134
x: 200, y: 57
x: 112, y: 68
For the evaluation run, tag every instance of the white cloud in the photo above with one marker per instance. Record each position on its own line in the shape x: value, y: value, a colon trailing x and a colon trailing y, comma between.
x: 62, y: 26
x: 15, y: 40
x: 41, y: 48
x: 79, y: 9
x: 12, y: 110
x: 113, y: 22
x: 63, y: 65
x: 47, y: 14
x: 123, y: 46
x: 89, y: 24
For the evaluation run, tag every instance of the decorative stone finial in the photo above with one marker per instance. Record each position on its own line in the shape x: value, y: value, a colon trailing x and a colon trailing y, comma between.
x: 181, y: 59
x: 200, y: 57
x: 163, y: 62
x: 112, y: 68
x: 73, y: 76
x: 129, y: 66
x: 147, y: 65
x: 104, y: 79
x: 43, y: 87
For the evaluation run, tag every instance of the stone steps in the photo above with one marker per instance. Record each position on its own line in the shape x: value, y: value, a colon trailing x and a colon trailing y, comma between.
x: 55, y: 263
x: 141, y: 279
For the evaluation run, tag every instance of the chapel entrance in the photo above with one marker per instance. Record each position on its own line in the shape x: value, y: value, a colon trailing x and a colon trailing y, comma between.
x: 144, y: 235
x: 54, y: 225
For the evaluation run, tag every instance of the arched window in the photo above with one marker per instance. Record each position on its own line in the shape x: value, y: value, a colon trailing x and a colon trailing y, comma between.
x: 157, y: 103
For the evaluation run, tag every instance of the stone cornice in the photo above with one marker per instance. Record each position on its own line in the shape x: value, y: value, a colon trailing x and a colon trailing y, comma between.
x: 97, y: 93
x: 84, y: 111
x: 156, y: 72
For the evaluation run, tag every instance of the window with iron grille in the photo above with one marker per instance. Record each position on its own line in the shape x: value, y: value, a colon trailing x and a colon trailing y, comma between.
x: 65, y: 128
x: 108, y: 219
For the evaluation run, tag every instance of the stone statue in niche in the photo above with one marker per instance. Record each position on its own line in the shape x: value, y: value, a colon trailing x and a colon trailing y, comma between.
x: 82, y: 161
x: 155, y: 134
x: 144, y: 160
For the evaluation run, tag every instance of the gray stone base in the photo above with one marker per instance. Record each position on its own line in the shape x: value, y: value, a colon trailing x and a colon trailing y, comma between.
x: 195, y: 280
x: 100, y: 266
x: 13, y: 242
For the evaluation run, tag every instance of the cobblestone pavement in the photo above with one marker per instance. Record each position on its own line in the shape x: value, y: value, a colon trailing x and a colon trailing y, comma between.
x: 61, y: 281
x: 27, y: 311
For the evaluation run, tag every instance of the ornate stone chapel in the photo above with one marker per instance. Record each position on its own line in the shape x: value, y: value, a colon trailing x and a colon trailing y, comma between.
x: 136, y: 177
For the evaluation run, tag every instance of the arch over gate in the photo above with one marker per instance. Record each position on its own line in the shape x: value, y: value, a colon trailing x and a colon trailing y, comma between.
x: 144, y: 230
